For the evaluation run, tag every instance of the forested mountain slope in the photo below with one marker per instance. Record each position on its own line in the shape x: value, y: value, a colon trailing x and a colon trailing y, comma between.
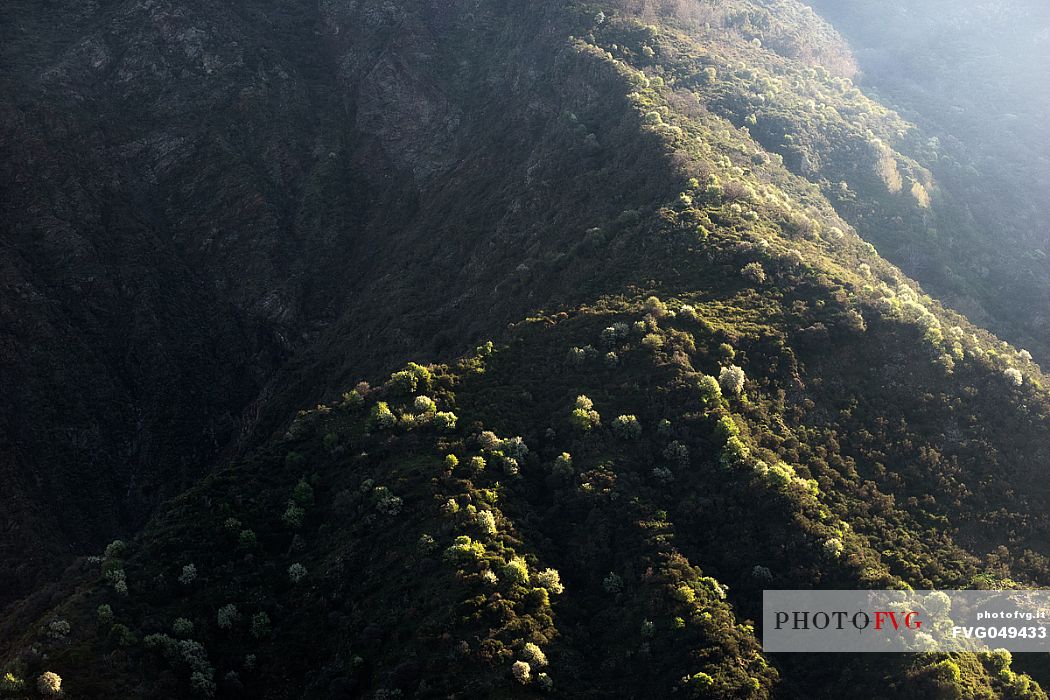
x: 710, y: 384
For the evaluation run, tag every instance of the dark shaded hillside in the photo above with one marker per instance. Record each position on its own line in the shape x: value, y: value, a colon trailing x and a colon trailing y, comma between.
x: 190, y: 204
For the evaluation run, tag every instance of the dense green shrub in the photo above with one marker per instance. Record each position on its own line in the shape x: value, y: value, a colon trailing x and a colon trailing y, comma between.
x: 655, y: 307
x: 10, y: 684
x: 381, y: 417
x: 534, y: 655
x: 385, y: 501
x: 58, y: 629
x: 562, y: 465
x: 49, y: 684
x: 411, y: 379
x: 293, y: 516
x: 753, y: 272
x: 584, y: 417
x: 676, y: 452
x: 516, y: 571
x: 627, y: 427
x: 653, y: 341
x: 731, y: 379
x: 551, y: 580
x: 522, y: 672
x: 424, y: 405
x: 445, y: 420
x: 116, y: 549
x: 710, y: 391
x: 260, y: 625
x: 486, y: 522
x: 227, y: 616
x: 463, y: 550
x: 612, y: 583
x: 188, y: 574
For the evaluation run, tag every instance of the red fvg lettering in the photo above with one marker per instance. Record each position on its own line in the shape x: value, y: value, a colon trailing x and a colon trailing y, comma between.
x: 910, y: 620
x: 880, y: 618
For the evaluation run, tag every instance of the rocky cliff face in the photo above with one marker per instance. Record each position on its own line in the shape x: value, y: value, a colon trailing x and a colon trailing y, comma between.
x: 148, y: 274
x: 197, y: 197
